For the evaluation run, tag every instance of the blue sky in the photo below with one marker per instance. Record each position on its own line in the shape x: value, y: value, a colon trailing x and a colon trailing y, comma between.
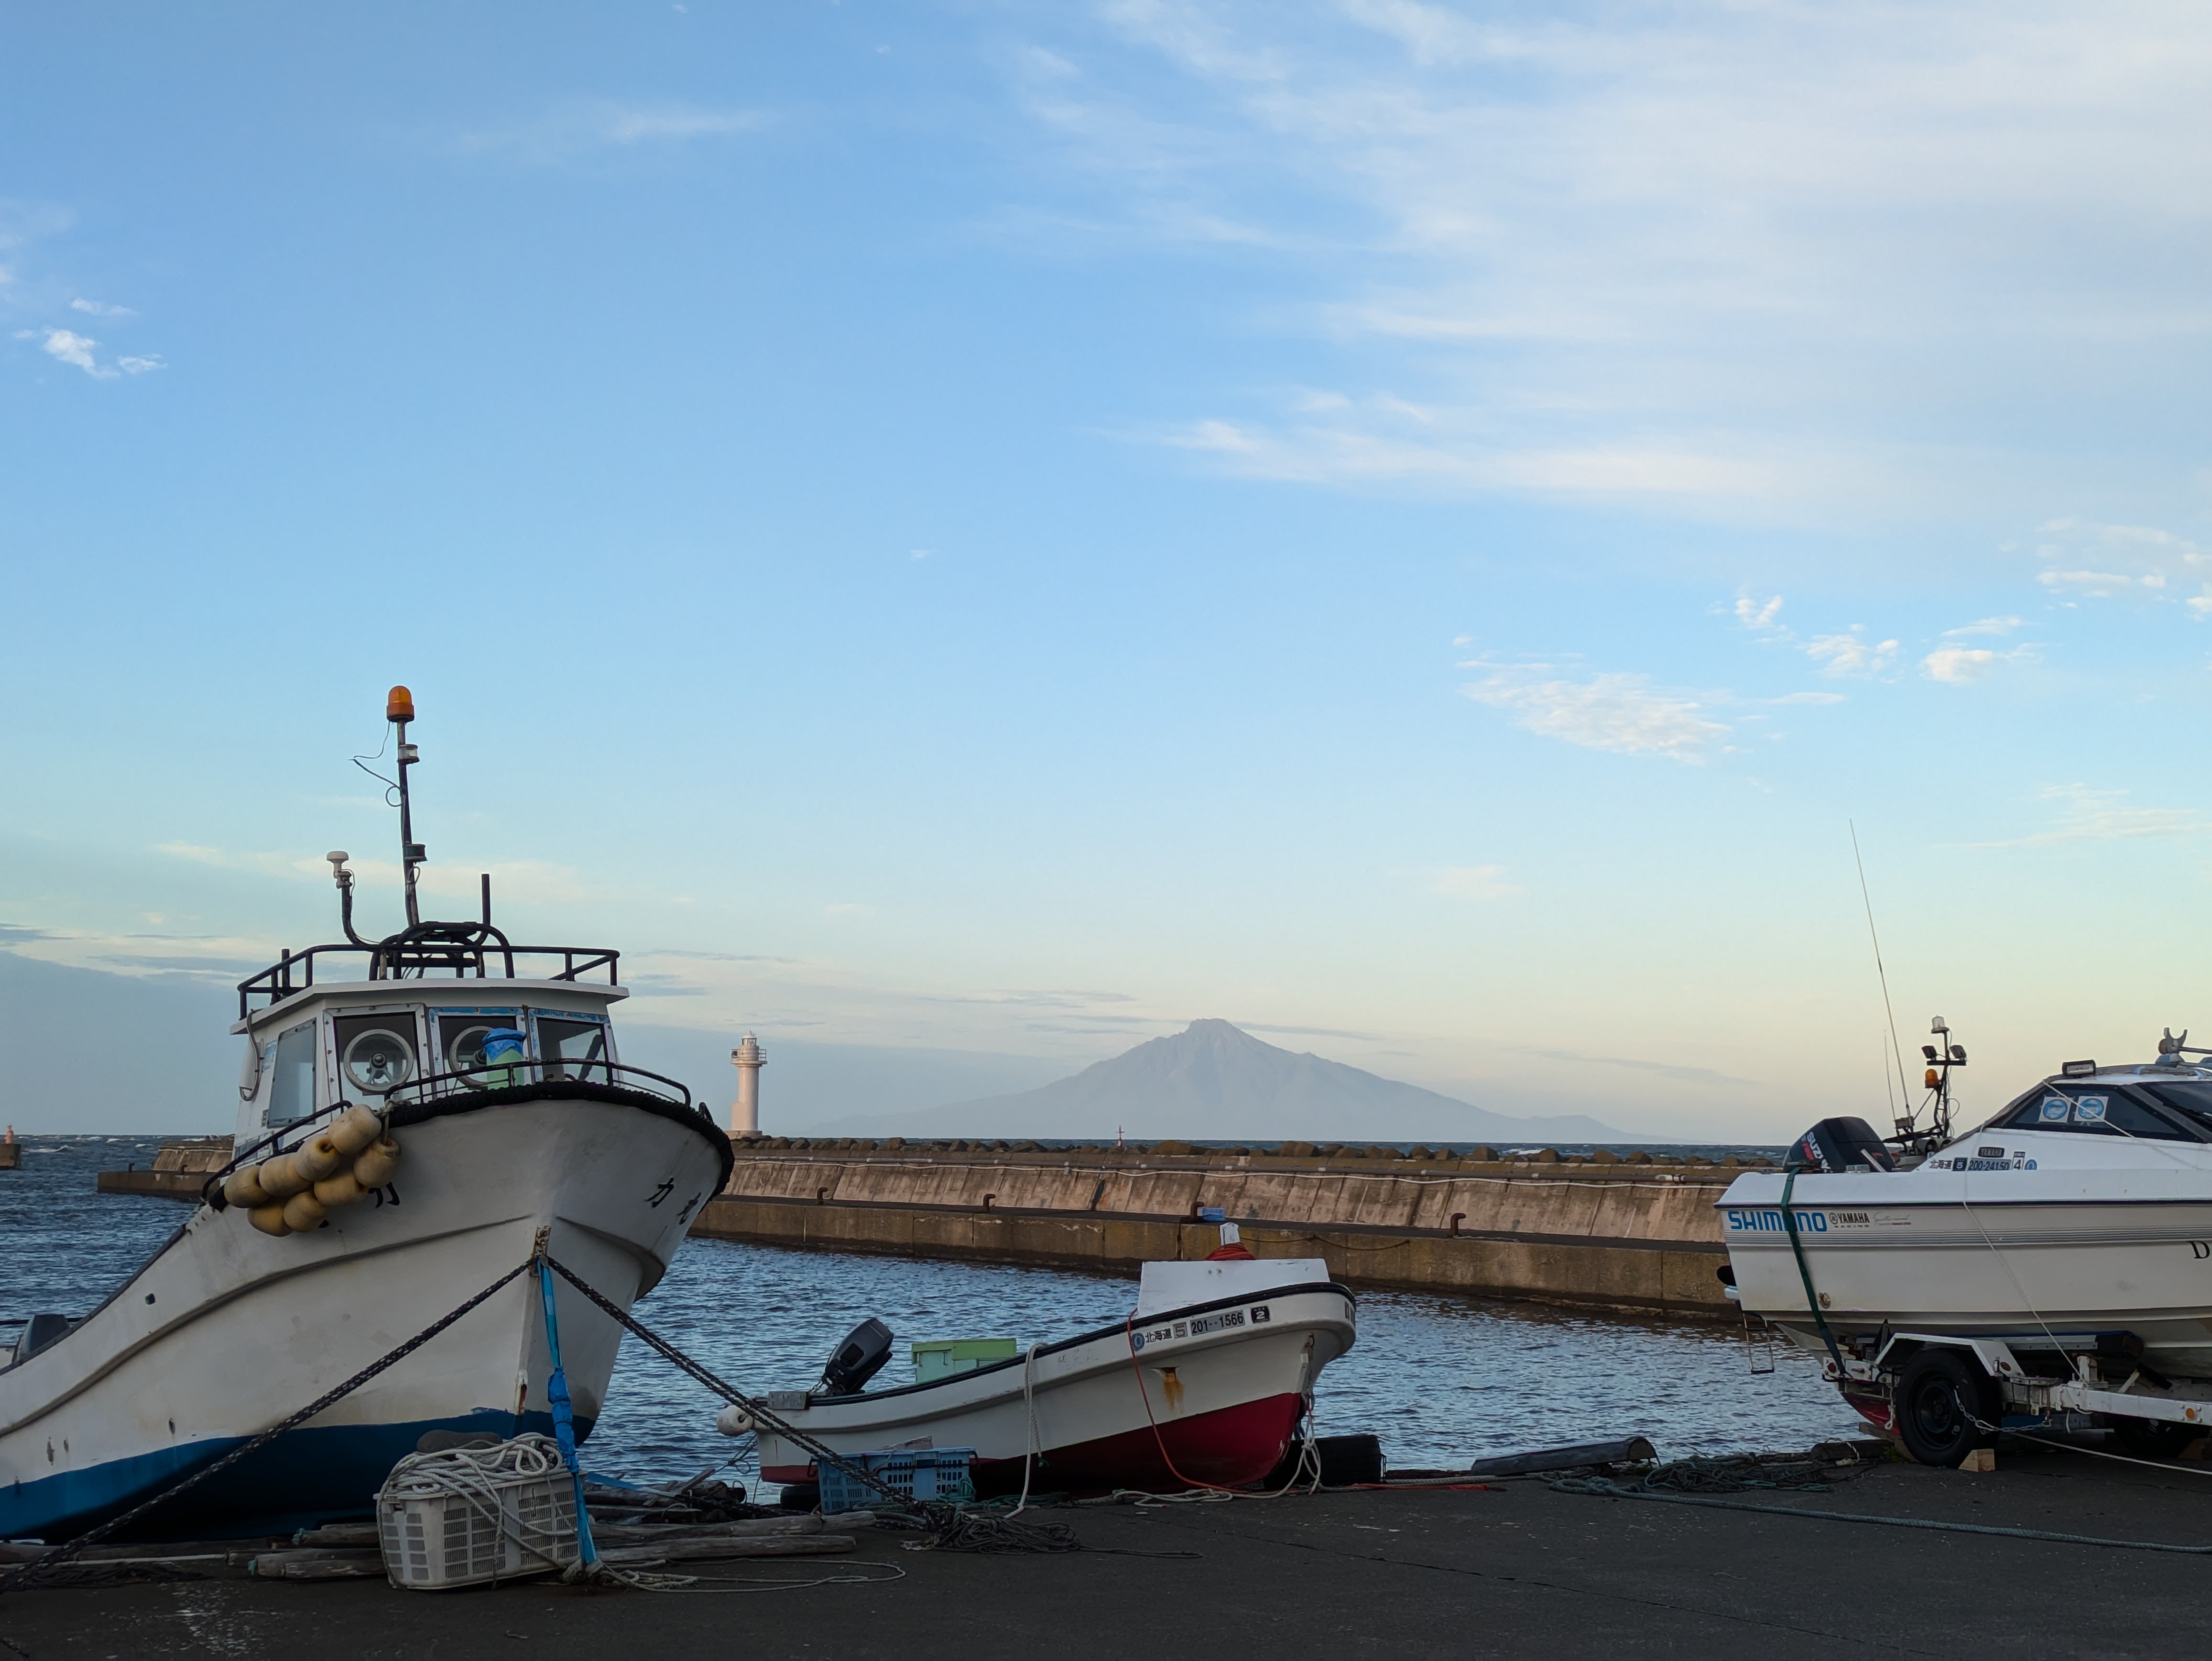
x: 1412, y: 528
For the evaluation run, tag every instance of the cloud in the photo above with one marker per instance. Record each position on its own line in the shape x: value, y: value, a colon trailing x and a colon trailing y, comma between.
x: 1836, y: 655
x: 70, y: 347
x: 78, y: 351
x: 1760, y: 617
x: 602, y: 124
x: 1986, y: 626
x: 1473, y: 882
x: 1384, y: 441
x: 1956, y: 666
x: 1810, y: 697
x: 1715, y: 231
x: 2086, y: 560
x: 1621, y: 713
x: 1851, y: 653
x: 101, y: 308
x: 2090, y: 815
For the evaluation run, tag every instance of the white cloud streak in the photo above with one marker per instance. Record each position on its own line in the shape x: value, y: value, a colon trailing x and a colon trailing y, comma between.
x: 1621, y: 713
x: 1701, y: 251
x: 1473, y: 882
x: 2089, y: 815
x: 603, y: 126
x: 2085, y: 560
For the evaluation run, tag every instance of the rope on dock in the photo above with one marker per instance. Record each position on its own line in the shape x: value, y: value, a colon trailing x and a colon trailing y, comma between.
x: 1605, y: 1487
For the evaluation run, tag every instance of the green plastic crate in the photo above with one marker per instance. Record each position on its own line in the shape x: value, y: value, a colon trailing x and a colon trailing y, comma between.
x: 940, y: 1358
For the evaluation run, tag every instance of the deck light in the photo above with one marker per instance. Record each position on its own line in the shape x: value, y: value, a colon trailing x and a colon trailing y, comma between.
x: 399, y: 704
x: 2078, y: 1069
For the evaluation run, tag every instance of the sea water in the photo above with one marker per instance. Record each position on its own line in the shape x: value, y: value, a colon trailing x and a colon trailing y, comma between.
x: 1443, y: 1380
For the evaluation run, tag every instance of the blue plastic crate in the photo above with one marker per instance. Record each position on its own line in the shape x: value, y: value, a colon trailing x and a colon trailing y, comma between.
x: 914, y: 1473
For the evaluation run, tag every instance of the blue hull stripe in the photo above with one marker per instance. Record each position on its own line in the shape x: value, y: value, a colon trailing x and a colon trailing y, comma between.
x: 305, y: 1478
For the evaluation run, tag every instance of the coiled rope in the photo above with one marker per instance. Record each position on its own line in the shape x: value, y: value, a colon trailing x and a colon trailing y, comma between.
x: 479, y: 1477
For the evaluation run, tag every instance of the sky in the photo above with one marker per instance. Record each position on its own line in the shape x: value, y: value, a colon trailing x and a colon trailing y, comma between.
x: 1421, y: 529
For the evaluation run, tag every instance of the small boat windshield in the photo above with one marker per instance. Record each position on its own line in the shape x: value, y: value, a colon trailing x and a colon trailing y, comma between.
x: 2114, y: 1110
x: 2194, y: 1099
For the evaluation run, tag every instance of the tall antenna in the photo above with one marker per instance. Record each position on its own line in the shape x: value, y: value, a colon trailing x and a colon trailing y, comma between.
x: 1880, y: 972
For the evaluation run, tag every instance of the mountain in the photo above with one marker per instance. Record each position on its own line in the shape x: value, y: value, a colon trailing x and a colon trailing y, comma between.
x: 1216, y: 1081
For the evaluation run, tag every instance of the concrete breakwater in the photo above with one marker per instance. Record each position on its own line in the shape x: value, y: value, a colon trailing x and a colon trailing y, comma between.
x: 180, y: 1170
x: 1630, y: 1233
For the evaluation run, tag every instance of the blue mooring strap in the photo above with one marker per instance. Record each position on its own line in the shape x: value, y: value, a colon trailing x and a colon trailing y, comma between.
x: 564, y: 1422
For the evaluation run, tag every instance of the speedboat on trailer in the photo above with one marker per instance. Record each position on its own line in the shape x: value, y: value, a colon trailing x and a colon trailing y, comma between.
x: 2055, y: 1260
x: 1209, y: 1380
x: 407, y: 1128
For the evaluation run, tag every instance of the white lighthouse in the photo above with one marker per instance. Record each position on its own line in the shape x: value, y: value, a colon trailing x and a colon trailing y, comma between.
x: 744, y: 1116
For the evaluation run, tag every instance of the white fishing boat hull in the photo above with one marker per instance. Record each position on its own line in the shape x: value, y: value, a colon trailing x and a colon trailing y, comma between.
x: 226, y: 1332
x: 2017, y: 1253
x: 1211, y: 1392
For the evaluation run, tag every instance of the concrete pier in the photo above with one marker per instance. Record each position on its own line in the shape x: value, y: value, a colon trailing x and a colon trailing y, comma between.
x: 1518, y: 1570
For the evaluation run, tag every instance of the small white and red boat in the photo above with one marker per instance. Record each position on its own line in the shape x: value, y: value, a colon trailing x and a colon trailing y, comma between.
x: 1206, y: 1382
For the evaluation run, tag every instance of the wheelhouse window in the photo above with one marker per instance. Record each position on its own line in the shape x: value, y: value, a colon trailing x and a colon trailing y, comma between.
x: 2097, y: 1110
x: 574, y: 1049
x: 465, y: 1038
x: 292, y: 1075
x: 376, y: 1053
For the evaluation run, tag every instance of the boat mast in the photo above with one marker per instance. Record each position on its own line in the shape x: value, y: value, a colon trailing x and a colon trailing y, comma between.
x: 399, y: 709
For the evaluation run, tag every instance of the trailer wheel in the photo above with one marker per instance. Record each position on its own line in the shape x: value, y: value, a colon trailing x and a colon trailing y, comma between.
x: 1939, y: 1398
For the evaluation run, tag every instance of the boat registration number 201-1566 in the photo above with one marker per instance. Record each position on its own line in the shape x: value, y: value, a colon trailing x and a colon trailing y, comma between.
x: 1202, y: 1325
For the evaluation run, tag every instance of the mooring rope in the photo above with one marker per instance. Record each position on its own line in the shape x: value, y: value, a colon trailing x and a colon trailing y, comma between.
x: 950, y: 1528
x: 1605, y: 1488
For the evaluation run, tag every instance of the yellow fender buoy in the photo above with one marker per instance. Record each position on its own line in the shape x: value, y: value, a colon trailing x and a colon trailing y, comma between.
x: 377, y: 1163
x: 279, y: 1179
x: 356, y: 1127
x: 303, y: 1211
x: 243, y: 1189
x: 268, y: 1218
x: 339, y: 1188
x: 316, y: 1160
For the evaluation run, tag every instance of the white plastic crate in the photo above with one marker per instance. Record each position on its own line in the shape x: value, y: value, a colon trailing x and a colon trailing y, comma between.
x: 466, y: 1517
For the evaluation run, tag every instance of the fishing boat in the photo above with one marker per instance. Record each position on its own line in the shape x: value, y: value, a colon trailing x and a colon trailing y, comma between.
x: 2055, y: 1260
x: 1208, y: 1381
x: 416, y: 1113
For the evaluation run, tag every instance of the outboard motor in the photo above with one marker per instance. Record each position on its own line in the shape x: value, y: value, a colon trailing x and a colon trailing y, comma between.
x: 859, y: 1357
x: 1838, y: 1145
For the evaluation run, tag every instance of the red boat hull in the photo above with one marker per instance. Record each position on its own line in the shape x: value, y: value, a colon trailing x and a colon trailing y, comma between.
x: 1231, y: 1447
